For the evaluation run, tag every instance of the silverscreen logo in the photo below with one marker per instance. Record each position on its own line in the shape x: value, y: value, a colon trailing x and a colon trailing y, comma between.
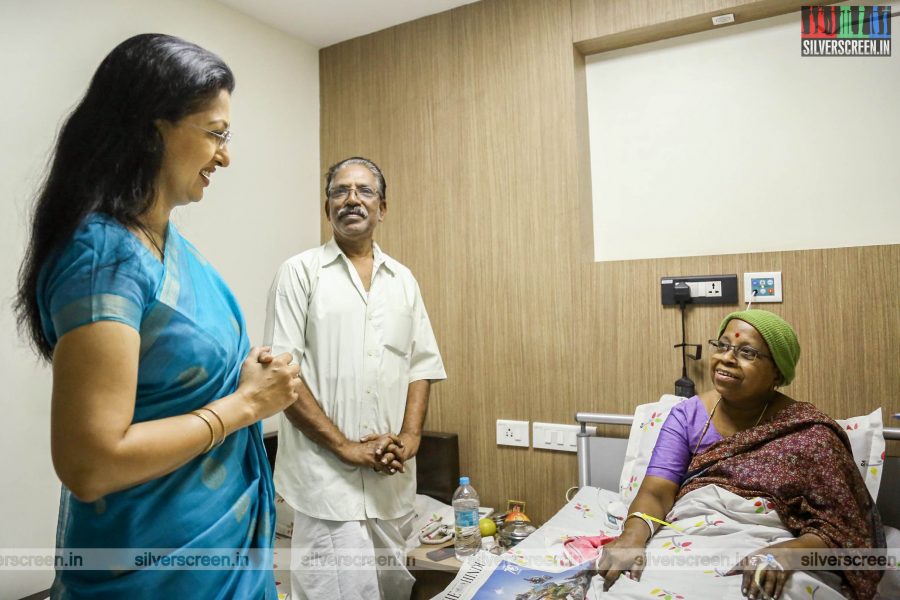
x: 845, y: 31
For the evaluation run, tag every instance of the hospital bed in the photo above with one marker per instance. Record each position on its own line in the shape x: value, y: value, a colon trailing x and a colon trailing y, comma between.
x: 609, y: 473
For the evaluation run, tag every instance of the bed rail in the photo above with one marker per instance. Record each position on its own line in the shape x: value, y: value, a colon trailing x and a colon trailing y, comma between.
x: 890, y: 433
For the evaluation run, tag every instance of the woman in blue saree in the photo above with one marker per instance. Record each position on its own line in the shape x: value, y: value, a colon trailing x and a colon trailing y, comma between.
x: 156, y: 392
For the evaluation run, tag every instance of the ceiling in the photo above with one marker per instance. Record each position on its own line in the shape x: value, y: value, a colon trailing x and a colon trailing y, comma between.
x: 326, y: 22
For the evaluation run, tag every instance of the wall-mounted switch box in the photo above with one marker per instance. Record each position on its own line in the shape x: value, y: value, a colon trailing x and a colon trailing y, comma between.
x: 766, y: 285
x: 705, y: 289
x: 512, y: 433
x: 553, y: 436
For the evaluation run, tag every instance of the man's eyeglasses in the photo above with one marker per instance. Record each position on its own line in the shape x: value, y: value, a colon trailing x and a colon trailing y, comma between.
x: 745, y: 353
x: 222, y: 139
x: 342, y: 192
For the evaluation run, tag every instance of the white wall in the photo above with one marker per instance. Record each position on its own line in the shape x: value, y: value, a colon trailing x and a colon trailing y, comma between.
x: 728, y: 141
x: 262, y: 209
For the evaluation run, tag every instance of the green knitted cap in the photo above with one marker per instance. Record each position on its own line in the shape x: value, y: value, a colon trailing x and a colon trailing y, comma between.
x: 777, y: 333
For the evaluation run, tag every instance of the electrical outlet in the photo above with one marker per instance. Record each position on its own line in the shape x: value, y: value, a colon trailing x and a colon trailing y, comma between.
x: 553, y: 436
x: 767, y: 286
x: 512, y: 433
x: 705, y: 289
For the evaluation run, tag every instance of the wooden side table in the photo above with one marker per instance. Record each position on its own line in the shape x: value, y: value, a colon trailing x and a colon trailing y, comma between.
x: 431, y: 576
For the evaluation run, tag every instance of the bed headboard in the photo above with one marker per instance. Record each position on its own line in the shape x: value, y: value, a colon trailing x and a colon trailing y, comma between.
x: 600, y: 462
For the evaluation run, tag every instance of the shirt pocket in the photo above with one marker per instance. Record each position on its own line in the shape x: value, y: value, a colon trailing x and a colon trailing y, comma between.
x: 398, y: 331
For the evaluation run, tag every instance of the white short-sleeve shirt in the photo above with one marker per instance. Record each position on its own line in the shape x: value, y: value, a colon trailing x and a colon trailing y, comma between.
x: 358, y: 352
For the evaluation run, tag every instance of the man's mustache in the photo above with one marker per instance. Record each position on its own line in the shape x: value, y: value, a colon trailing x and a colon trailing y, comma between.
x: 353, y: 210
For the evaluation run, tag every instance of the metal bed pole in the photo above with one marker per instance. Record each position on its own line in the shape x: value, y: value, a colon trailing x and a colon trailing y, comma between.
x: 583, y: 438
x: 890, y: 433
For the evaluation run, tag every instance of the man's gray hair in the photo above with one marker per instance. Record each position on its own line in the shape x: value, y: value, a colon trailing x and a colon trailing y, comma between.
x: 357, y: 160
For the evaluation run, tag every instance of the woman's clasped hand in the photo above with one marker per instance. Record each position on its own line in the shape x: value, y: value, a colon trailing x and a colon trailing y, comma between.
x: 269, y: 383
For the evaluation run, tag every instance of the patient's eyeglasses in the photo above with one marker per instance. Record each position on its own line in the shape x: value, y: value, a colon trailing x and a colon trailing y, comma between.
x: 342, y: 192
x: 745, y: 353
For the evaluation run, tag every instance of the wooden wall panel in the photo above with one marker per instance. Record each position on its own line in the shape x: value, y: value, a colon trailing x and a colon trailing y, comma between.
x: 477, y: 117
x: 844, y: 368
x: 472, y: 126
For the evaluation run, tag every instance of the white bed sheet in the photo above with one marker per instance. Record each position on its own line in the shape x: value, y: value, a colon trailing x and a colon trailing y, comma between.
x: 715, y: 522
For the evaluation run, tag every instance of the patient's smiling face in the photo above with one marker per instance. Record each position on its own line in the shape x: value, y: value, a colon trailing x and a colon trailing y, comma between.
x: 736, y: 378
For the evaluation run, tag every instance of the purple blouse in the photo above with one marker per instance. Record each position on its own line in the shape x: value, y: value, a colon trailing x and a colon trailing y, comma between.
x: 677, y: 439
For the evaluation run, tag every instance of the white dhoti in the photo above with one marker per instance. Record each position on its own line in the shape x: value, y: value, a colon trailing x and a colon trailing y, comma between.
x: 350, y: 560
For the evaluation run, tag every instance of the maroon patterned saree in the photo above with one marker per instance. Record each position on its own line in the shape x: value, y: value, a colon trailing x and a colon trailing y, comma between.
x: 800, y: 460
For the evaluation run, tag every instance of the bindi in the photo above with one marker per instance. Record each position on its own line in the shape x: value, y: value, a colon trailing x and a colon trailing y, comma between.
x: 737, y: 335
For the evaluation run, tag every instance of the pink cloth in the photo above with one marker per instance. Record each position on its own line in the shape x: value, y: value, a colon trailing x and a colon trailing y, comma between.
x: 585, y: 547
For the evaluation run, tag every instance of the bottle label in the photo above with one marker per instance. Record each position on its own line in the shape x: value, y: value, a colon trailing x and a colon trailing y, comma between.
x: 466, y: 518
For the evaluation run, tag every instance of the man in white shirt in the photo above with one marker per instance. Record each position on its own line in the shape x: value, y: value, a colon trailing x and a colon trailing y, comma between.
x: 354, y: 320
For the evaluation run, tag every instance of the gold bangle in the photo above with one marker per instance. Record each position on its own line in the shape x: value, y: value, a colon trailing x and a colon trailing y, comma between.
x: 221, y: 422
x: 212, y: 433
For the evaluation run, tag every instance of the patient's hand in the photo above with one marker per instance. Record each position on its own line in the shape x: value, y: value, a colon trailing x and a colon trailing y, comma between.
x: 624, y: 554
x: 776, y: 570
x: 763, y: 575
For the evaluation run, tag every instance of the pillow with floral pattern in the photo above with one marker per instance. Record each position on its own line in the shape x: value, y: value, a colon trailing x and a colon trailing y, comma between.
x: 866, y: 435
x: 648, y: 419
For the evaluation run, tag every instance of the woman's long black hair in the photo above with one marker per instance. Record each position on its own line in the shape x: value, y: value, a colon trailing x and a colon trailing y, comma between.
x: 109, y: 152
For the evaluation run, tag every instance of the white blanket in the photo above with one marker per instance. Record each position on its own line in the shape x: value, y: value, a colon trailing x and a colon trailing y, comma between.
x: 719, y: 528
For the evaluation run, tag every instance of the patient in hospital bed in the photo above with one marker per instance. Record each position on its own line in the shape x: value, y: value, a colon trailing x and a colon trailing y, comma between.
x: 745, y: 469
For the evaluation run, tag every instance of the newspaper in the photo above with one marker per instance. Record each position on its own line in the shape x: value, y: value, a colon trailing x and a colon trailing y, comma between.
x: 539, y: 567
x: 486, y: 576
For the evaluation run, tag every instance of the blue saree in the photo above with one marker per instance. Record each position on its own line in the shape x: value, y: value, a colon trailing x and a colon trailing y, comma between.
x: 193, y: 341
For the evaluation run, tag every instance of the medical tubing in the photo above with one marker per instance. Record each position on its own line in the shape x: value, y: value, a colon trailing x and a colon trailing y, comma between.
x: 763, y: 562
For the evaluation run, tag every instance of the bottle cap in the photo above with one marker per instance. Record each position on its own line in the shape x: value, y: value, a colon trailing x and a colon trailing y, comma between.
x: 463, y: 480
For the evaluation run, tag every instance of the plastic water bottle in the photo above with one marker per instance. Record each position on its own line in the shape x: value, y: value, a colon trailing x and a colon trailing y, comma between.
x: 465, y: 510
